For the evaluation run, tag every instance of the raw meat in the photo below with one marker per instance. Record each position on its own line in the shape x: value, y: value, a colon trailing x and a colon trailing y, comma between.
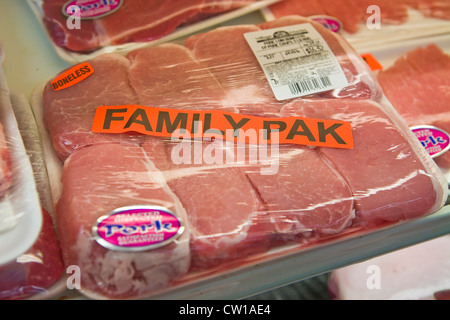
x: 419, y: 272
x: 353, y: 13
x: 80, y: 40
x: 431, y: 8
x: 381, y: 193
x: 144, y: 20
x: 349, y: 12
x: 391, y: 12
x: 134, y: 21
x: 225, y: 52
x: 225, y: 215
x: 96, y: 180
x: 295, y: 7
x: 178, y: 81
x: 168, y: 76
x: 214, y: 6
x: 419, y: 103
x: 35, y: 271
x: 231, y: 210
x: 298, y: 205
x: 418, y: 86
x: 68, y: 113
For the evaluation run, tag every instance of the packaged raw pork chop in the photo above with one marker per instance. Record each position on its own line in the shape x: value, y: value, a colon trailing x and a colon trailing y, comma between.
x: 38, y: 272
x: 30, y: 255
x: 20, y: 212
x: 84, y: 27
x: 418, y: 86
x: 177, y: 162
x: 353, y: 14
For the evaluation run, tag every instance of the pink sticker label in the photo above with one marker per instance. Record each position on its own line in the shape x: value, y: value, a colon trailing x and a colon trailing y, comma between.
x: 137, y: 228
x: 91, y: 9
x: 328, y: 22
x: 434, y: 140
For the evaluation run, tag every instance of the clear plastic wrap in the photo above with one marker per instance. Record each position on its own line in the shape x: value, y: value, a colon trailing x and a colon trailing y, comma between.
x: 232, y: 213
x: 117, y: 25
x: 36, y: 273
x: 20, y: 215
x: 422, y: 105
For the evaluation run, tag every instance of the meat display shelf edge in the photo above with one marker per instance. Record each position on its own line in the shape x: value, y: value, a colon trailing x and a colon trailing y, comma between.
x: 265, y: 276
x: 309, y: 263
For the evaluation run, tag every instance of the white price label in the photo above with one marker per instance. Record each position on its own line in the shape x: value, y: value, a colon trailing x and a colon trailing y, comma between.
x: 297, y: 61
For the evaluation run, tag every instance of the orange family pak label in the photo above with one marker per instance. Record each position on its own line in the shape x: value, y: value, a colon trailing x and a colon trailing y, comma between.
x: 72, y: 76
x: 213, y: 124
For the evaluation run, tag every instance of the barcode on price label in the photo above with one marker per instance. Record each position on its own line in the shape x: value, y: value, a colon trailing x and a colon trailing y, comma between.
x: 309, y: 85
x: 296, y: 60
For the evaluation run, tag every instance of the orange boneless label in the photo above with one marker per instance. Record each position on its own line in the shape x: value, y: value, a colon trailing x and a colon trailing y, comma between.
x: 163, y: 122
x: 372, y: 62
x: 72, y: 76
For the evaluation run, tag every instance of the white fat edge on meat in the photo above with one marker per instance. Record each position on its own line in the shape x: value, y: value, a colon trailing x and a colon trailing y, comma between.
x: 236, y: 235
x: 179, y: 210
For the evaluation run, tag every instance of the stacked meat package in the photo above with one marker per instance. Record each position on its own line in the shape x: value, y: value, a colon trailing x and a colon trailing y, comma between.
x: 422, y: 107
x: 30, y: 255
x: 81, y: 28
x: 354, y: 13
x: 152, y: 193
x: 151, y: 20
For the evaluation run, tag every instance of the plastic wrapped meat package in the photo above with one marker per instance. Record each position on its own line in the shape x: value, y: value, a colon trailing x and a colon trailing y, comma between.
x: 419, y: 272
x: 154, y: 192
x: 14, y: 172
x: 365, y: 23
x: 30, y: 255
x: 80, y: 29
x: 424, y: 107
